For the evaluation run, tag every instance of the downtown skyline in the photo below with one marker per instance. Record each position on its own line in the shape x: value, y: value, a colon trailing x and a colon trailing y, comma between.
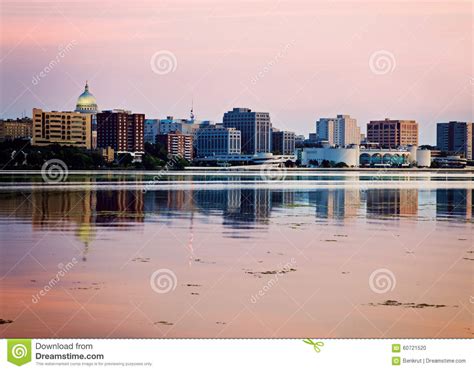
x: 362, y: 129
x: 286, y: 63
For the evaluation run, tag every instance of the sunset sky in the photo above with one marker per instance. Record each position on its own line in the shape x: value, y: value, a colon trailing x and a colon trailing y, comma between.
x: 298, y: 60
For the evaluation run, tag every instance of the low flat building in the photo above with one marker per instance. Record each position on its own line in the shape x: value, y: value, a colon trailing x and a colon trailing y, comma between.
x: 349, y: 156
x: 450, y: 162
x: 108, y: 154
x: 15, y: 129
x: 216, y: 140
x: 63, y: 128
x: 177, y: 144
x: 354, y: 156
x: 239, y: 159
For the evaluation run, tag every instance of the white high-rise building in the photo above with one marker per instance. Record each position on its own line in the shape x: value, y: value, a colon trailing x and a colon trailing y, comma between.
x: 340, y: 131
x: 216, y: 140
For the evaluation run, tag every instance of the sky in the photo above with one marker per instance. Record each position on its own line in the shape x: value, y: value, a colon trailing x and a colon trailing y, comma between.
x: 298, y: 60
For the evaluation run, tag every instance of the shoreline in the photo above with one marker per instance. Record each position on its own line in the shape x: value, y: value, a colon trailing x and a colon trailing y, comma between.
x: 255, y: 168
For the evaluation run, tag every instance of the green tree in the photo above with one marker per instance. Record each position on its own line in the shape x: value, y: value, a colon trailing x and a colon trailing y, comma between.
x: 325, y: 164
x: 125, y: 160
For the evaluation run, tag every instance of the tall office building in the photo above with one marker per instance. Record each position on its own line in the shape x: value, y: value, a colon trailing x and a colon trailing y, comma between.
x: 121, y: 130
x: 216, y: 140
x: 255, y: 129
x: 340, y: 131
x: 283, y: 142
x: 393, y: 133
x: 63, y: 128
x: 455, y: 137
x: 177, y: 144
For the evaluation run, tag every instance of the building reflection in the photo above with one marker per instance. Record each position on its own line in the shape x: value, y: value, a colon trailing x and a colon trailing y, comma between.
x: 80, y: 212
x: 240, y: 208
x: 336, y: 203
x: 392, y: 202
x: 119, y: 207
x: 457, y: 203
x: 84, y: 212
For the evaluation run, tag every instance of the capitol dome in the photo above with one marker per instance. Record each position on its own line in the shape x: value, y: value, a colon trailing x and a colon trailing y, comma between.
x: 86, y: 102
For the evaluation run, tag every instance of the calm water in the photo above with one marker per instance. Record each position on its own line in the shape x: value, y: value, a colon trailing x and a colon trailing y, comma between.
x: 326, y: 255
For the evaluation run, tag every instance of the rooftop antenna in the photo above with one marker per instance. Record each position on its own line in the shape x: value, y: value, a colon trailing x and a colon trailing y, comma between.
x: 192, y: 110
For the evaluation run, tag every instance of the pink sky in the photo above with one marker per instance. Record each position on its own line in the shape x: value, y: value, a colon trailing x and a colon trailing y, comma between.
x: 298, y: 60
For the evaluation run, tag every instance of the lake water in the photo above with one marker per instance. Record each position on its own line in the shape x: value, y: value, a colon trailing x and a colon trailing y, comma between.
x: 203, y: 254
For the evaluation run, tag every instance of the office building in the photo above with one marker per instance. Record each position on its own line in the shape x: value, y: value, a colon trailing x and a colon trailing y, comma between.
x: 393, y: 133
x: 63, y: 128
x: 255, y: 129
x: 184, y: 126
x: 300, y: 139
x: 151, y: 130
x: 456, y: 138
x: 216, y: 140
x: 172, y: 125
x: 340, y: 131
x: 15, y: 129
x: 177, y: 144
x: 121, y: 130
x: 312, y: 138
x: 283, y: 142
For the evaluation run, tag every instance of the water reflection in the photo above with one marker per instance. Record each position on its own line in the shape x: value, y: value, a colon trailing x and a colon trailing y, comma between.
x: 336, y: 203
x: 392, y: 202
x: 455, y: 203
x: 84, y: 211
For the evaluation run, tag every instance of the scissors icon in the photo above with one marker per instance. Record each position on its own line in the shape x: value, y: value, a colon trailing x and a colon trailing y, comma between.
x: 315, y: 345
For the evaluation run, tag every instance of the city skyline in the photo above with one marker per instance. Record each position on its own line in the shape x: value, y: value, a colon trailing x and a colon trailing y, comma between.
x: 360, y: 126
x: 287, y: 65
